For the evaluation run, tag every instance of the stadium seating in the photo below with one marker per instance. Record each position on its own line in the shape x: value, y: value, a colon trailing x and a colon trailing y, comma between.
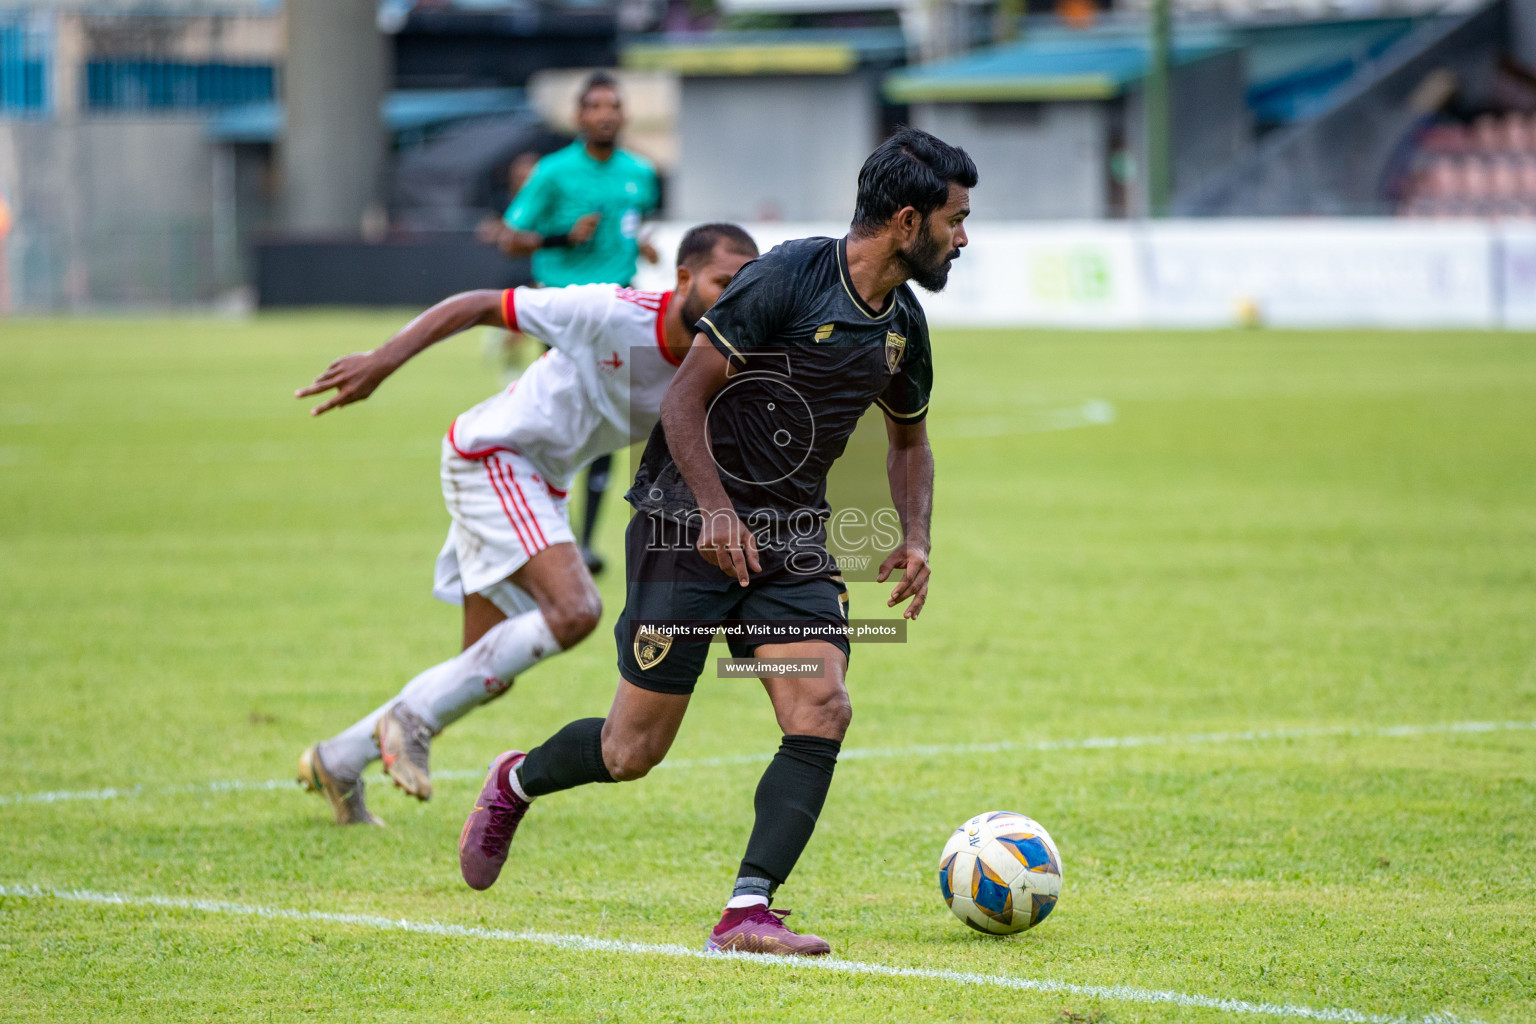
x: 1485, y: 169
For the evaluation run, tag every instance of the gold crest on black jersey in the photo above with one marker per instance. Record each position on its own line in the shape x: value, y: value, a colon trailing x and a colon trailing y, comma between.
x: 651, y: 645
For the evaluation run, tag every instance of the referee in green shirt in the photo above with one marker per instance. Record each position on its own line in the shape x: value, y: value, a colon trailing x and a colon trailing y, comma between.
x: 578, y: 216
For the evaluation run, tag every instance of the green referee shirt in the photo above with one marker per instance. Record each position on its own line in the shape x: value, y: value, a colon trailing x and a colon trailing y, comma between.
x: 568, y: 184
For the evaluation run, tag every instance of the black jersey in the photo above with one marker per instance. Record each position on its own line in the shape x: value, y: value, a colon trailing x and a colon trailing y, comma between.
x: 808, y: 357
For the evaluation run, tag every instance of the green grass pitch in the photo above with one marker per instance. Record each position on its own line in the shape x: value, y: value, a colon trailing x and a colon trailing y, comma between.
x: 1329, y: 533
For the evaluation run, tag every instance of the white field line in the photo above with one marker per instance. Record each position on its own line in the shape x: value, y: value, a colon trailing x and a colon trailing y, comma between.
x: 585, y: 944
x: 851, y: 754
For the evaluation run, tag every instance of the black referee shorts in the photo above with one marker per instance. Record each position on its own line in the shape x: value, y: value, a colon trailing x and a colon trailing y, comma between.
x: 673, y: 583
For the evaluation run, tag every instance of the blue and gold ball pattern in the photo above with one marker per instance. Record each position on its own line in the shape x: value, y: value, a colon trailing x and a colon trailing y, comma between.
x: 1000, y: 873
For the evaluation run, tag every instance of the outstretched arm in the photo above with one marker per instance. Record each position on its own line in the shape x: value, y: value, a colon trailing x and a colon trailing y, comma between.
x: 724, y: 540
x: 909, y: 465
x: 355, y: 377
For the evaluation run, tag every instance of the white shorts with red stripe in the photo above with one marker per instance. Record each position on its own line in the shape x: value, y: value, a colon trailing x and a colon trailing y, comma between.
x: 503, y: 514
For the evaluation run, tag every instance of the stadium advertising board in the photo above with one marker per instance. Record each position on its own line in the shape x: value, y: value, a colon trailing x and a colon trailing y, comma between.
x: 1053, y: 274
x: 1517, y: 275
x: 1312, y: 273
x: 1058, y: 275
x: 1320, y: 273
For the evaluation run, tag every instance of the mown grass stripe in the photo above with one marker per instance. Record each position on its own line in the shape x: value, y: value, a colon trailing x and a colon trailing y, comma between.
x: 586, y: 944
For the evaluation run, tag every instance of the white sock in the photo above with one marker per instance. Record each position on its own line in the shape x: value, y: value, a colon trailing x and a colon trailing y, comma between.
x: 517, y: 786
x: 736, y: 902
x: 445, y: 693
x: 347, y: 753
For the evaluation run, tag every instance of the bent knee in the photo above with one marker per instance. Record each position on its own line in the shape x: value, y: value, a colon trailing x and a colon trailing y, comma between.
x: 627, y: 761
x: 828, y: 717
x: 628, y: 770
x: 573, y: 621
x: 833, y: 717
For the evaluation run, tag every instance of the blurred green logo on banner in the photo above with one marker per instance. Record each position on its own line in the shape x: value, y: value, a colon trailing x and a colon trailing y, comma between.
x: 1079, y: 275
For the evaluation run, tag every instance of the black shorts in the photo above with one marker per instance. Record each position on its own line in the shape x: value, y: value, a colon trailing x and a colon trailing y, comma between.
x: 673, y: 583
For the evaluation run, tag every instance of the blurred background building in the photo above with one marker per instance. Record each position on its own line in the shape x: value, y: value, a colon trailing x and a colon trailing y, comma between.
x: 199, y: 151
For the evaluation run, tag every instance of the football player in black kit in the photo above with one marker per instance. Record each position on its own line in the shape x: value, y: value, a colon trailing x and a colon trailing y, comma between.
x: 730, y: 517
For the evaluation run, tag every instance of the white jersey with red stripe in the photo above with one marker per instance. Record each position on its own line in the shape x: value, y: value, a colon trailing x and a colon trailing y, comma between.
x: 597, y: 390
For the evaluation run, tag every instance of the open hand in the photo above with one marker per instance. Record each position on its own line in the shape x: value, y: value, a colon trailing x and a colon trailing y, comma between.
x: 912, y: 560
x: 354, y: 377
x: 728, y: 545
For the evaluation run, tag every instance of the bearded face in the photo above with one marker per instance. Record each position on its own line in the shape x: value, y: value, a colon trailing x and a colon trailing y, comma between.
x: 693, y: 305
x: 927, y: 261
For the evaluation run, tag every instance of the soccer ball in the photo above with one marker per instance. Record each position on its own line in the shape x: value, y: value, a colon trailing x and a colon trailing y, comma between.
x: 1000, y: 873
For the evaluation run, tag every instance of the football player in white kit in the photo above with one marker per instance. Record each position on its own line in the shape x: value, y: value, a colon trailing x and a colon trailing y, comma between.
x: 510, y: 557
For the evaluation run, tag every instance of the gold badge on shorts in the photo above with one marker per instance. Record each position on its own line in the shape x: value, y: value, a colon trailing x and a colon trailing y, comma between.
x: 651, y: 645
x: 895, y: 345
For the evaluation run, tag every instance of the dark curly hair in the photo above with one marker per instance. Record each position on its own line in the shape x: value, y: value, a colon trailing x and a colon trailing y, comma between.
x: 911, y: 168
x: 700, y: 241
x: 596, y: 80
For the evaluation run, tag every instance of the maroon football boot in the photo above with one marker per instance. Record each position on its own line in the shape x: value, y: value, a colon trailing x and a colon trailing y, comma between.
x: 757, y: 929
x: 488, y: 831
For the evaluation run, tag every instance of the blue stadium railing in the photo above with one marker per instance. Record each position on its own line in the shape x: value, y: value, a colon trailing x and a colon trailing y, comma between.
x: 25, y: 47
x: 126, y: 85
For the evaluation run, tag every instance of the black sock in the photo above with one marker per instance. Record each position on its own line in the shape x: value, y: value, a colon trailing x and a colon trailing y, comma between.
x: 597, y: 483
x: 788, y: 801
x: 571, y: 757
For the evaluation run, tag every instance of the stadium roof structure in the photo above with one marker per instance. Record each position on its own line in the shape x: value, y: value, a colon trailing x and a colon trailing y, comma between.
x: 1294, y: 67
x: 1050, y: 65
x: 403, y: 110
x: 787, y: 52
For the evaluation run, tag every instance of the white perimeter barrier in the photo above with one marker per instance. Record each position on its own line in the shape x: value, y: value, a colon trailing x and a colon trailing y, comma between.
x: 1213, y: 273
